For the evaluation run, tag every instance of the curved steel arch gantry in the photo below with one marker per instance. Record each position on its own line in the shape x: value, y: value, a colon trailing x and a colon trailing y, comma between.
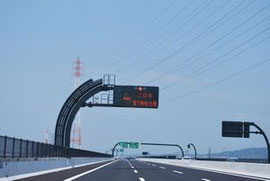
x: 70, y: 108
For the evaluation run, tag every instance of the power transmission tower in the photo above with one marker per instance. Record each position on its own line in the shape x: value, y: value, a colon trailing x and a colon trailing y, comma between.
x: 76, y: 138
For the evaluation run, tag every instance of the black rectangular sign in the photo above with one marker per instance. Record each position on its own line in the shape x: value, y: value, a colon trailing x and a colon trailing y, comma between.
x: 232, y: 129
x: 145, y: 153
x: 235, y: 129
x: 135, y: 96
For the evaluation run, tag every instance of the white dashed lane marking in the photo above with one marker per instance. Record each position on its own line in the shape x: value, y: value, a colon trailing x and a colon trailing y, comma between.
x: 204, y: 179
x: 175, y: 171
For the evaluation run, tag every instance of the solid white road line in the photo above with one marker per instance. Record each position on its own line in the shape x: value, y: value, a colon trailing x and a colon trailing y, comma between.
x: 162, y: 167
x: 175, y: 171
x: 89, y: 171
x: 17, y: 177
x: 204, y: 179
x: 141, y: 179
x: 135, y: 171
x: 129, y: 163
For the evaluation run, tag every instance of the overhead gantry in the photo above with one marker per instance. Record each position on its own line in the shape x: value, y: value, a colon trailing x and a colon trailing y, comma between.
x: 72, y: 105
x: 123, y: 96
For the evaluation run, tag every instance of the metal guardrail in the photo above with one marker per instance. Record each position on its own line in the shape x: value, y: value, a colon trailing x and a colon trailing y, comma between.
x: 19, y: 148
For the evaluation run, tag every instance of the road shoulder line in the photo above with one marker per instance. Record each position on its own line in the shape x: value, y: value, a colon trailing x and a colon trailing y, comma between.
x: 33, y: 174
x: 89, y: 171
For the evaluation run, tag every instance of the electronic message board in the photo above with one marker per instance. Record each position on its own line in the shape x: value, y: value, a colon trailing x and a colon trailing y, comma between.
x: 135, y: 96
x: 232, y: 129
x: 235, y: 129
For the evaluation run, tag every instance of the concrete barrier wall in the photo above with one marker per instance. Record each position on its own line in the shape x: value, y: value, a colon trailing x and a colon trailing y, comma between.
x: 30, y: 167
x: 249, y: 169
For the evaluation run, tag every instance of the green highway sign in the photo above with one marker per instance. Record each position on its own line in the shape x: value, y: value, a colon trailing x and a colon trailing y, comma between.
x: 134, y: 145
x: 124, y: 144
x: 129, y: 144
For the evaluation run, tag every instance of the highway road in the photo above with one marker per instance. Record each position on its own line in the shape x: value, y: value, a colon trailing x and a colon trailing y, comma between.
x: 133, y: 170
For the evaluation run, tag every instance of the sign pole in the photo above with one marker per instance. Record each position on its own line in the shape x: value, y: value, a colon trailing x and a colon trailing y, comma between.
x: 241, y: 130
x: 266, y: 140
x: 160, y: 144
x: 195, y: 151
x: 114, y: 148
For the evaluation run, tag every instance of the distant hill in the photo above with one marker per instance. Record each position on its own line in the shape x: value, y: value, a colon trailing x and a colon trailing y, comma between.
x: 243, y: 153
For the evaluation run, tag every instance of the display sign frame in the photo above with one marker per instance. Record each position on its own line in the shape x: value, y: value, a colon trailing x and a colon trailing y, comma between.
x: 235, y: 129
x: 136, y: 96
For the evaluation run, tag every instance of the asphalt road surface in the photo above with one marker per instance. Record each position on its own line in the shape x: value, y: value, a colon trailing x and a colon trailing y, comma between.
x: 133, y: 170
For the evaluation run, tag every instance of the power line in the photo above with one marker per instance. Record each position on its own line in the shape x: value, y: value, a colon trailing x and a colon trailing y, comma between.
x: 187, y: 19
x: 160, y: 47
x: 189, y: 16
x: 177, y: 68
x: 155, y: 33
x: 141, y: 30
x: 203, y: 34
x: 218, y: 82
x: 222, y: 62
x: 200, y: 36
x: 200, y: 70
x: 188, y: 62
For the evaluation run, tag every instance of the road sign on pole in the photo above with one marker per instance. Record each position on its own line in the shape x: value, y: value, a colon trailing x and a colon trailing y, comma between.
x: 242, y: 130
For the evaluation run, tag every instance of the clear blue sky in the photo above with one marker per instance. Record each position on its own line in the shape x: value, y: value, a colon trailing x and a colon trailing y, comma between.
x: 39, y: 40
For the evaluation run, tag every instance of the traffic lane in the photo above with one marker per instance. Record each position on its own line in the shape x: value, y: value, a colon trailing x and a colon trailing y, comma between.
x: 156, y: 172
x: 191, y: 174
x: 64, y: 174
x: 206, y: 175
x: 215, y: 175
x: 118, y: 171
